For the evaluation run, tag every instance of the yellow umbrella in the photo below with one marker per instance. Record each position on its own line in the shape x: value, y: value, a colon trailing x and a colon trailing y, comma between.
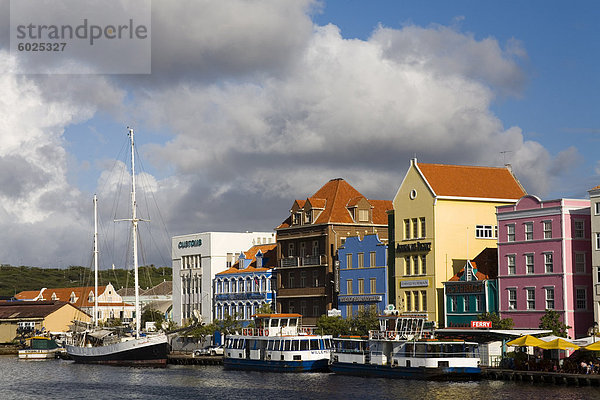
x: 526, y: 340
x: 558, y: 344
x: 593, y: 347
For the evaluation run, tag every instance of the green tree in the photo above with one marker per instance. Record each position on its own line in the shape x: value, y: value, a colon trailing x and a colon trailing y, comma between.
x: 228, y: 325
x: 335, y: 326
x: 151, y: 315
x: 497, y: 322
x: 551, y: 320
x: 364, y: 321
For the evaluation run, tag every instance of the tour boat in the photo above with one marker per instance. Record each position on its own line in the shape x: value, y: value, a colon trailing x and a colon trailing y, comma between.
x: 41, y: 348
x: 402, y: 348
x: 104, y: 346
x: 277, y: 343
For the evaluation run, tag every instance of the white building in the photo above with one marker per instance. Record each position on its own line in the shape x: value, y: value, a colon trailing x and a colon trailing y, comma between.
x: 196, y: 259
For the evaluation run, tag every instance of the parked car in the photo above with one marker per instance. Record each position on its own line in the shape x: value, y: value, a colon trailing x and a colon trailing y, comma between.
x: 210, y: 350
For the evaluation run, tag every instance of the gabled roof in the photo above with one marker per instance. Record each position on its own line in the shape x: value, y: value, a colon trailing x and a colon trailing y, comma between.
x: 27, y: 294
x: 480, y: 276
x: 64, y: 294
x: 470, y: 181
x: 269, y: 252
x: 163, y: 288
x: 335, y: 197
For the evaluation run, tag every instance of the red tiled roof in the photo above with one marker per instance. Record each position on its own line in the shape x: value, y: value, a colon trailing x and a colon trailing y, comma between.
x: 64, y: 294
x: 27, y: 294
x: 480, y: 276
x: 335, y: 197
x: 470, y: 181
x: 269, y: 251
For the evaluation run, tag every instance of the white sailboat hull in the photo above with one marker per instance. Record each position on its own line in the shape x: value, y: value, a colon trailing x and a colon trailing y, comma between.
x: 147, y: 351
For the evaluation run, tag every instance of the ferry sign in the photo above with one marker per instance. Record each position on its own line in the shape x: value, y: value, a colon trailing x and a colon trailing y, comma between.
x: 481, y: 324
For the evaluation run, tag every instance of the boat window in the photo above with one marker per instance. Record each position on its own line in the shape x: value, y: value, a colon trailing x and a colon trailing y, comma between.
x: 293, y: 321
x: 270, y: 345
x: 421, y: 350
x: 234, y: 344
x: 295, y: 345
x: 274, y: 322
x: 314, y: 344
x: 284, y: 323
x: 304, y: 344
x: 287, y: 345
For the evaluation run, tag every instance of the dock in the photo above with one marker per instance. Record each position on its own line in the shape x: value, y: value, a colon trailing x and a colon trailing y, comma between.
x: 188, y: 359
x: 543, y: 377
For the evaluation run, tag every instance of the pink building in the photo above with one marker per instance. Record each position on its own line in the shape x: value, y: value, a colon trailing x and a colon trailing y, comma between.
x: 545, y: 262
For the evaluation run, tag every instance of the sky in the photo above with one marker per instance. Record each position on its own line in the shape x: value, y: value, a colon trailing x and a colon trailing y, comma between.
x: 251, y: 104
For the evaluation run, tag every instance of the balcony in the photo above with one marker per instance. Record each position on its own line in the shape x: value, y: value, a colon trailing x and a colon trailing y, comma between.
x: 307, y: 261
x: 241, y: 296
x: 301, y: 292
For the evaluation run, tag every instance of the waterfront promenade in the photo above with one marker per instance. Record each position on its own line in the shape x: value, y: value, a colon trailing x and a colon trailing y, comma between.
x: 543, y: 377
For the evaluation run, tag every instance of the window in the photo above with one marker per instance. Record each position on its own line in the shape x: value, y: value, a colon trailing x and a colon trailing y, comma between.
x: 512, y: 299
x: 579, y: 230
x: 373, y: 283
x: 416, y: 297
x: 308, y: 215
x: 597, y: 208
x: 302, y: 278
x: 466, y: 304
x: 597, y: 241
x: 315, y: 248
x: 528, y: 230
x: 415, y: 228
x: 361, y: 286
x: 423, y: 230
x: 297, y: 218
x: 424, y: 300
x: 291, y: 280
x: 550, y: 298
x: 478, y: 302
x: 315, y: 279
x: 484, y: 231
x: 530, y: 299
x: 510, y: 260
x: 548, y: 266
x: 349, y: 286
x: 349, y: 260
x: 423, y: 265
x: 361, y: 260
x: 547, y: 229
x: 406, y: 229
x: 363, y: 215
x: 291, y: 250
x: 348, y: 310
x: 372, y: 259
x: 580, y: 262
x: 453, y: 303
x: 408, y: 301
x: 407, y: 265
x: 510, y: 232
x: 581, y: 298
x: 416, y: 265
x: 529, y: 263
x: 315, y: 310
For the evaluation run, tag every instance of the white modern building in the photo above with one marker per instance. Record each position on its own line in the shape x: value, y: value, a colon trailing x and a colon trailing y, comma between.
x: 197, y: 258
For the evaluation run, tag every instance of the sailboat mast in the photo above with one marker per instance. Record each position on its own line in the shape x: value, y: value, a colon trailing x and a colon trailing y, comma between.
x: 95, y: 261
x: 134, y: 222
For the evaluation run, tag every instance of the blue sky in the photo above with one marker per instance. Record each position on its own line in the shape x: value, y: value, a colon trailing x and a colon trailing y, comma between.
x: 252, y: 104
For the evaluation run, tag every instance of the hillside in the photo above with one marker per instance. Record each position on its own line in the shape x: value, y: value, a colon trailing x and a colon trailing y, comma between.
x: 16, y: 279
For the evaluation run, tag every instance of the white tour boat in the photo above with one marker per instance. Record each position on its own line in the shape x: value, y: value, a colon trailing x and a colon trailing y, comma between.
x: 277, y: 343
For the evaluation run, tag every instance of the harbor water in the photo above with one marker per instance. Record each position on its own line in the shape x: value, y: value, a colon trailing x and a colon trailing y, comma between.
x: 60, y: 379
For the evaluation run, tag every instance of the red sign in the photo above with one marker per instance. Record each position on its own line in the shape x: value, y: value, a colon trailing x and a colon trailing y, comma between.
x: 481, y: 324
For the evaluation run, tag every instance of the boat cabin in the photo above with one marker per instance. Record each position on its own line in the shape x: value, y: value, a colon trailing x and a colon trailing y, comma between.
x: 276, y: 325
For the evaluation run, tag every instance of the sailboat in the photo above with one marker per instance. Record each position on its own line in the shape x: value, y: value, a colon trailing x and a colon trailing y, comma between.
x: 138, y: 350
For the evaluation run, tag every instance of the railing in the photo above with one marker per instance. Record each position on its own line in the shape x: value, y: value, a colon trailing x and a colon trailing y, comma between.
x: 306, y: 291
x: 241, y: 296
x: 307, y: 261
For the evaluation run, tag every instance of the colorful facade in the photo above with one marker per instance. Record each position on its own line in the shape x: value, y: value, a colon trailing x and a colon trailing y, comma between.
x: 545, y: 262
x: 245, y: 287
x: 467, y: 294
x: 363, y: 275
x: 307, y: 277
x: 443, y: 216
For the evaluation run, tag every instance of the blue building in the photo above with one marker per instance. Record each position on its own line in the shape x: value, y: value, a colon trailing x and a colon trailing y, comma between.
x: 363, y: 275
x: 242, y: 289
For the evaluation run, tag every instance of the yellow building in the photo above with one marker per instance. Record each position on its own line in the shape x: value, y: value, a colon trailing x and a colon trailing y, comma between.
x: 443, y: 215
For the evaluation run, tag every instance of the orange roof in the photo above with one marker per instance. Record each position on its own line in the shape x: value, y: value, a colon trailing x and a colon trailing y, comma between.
x: 269, y: 251
x: 480, y: 276
x: 335, y: 197
x: 64, y: 294
x: 469, y: 181
x: 27, y: 294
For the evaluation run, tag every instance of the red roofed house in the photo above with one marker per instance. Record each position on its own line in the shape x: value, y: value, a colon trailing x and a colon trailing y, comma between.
x: 110, y: 303
x: 307, y: 243
x: 443, y: 216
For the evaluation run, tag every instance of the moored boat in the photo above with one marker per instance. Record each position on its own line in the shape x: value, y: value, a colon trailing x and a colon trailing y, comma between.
x: 402, y: 348
x: 104, y: 347
x: 41, y: 348
x: 277, y: 343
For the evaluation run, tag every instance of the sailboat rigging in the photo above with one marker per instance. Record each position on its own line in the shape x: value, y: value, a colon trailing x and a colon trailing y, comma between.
x: 139, y: 350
